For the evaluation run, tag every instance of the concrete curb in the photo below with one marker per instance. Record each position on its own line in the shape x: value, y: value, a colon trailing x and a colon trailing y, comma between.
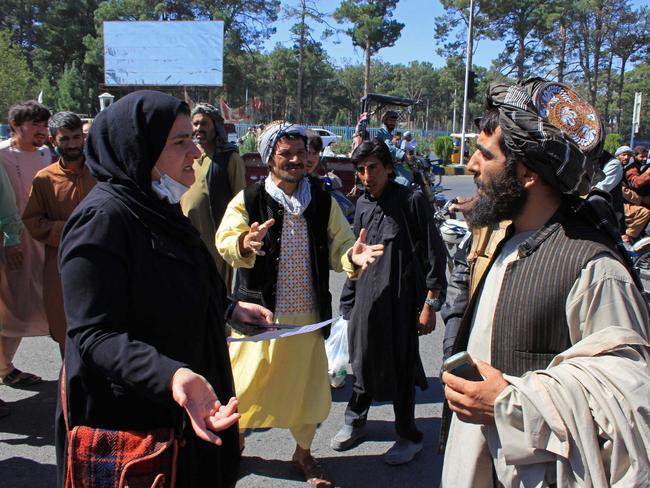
x: 457, y: 169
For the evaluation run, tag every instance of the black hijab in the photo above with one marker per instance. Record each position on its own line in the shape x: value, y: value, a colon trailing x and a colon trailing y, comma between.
x: 123, y: 145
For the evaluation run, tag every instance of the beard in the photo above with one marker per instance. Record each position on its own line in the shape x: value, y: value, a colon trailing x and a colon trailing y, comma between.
x: 285, y: 176
x: 503, y: 198
x: 70, y: 154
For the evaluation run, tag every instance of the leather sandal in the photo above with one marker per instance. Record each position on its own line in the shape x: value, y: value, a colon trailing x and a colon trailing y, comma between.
x: 313, y: 473
x: 17, y: 379
x: 4, y: 409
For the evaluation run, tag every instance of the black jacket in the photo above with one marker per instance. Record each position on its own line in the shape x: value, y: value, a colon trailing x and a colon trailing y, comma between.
x: 258, y: 284
x: 139, y: 305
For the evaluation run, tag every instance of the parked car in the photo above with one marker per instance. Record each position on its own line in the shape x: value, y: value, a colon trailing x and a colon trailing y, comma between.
x: 327, y: 136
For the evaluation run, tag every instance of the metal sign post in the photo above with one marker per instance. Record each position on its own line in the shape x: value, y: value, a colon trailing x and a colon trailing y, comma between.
x: 636, y: 117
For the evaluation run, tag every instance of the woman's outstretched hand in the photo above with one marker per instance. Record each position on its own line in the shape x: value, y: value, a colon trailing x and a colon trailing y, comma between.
x: 252, y: 313
x: 193, y: 392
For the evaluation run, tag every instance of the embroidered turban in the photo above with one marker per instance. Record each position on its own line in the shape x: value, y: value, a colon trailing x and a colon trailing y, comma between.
x: 551, y: 129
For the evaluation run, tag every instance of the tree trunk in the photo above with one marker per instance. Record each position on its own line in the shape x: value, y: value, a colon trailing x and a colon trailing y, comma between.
x: 608, y: 88
x: 366, y: 74
x: 521, y: 55
x: 301, y: 62
x: 598, y: 44
x: 562, y: 54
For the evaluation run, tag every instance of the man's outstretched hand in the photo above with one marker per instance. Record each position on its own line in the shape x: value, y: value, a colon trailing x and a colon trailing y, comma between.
x: 193, y: 392
x: 251, y: 242
x: 364, y: 254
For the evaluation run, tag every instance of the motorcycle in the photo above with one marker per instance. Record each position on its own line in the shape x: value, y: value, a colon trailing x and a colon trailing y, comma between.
x: 640, y: 254
x: 454, y: 232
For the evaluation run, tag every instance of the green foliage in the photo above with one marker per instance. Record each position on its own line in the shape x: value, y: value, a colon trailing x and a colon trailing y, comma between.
x: 373, y: 27
x: 517, y: 22
x: 249, y: 143
x: 450, y: 29
x: 443, y: 146
x: 15, y: 76
x: 70, y: 90
x: 341, y: 118
x: 49, y: 92
x: 612, y: 142
x: 344, y: 146
x: 57, y: 47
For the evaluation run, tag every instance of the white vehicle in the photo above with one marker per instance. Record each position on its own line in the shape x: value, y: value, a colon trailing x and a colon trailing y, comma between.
x: 327, y: 136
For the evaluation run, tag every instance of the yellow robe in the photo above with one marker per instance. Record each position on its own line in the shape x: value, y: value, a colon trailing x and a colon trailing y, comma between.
x: 282, y: 382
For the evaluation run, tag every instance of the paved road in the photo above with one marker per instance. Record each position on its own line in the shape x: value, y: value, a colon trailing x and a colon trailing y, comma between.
x: 27, y: 446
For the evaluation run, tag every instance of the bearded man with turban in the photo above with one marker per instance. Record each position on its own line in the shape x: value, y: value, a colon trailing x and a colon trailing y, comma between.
x: 219, y: 174
x: 555, y: 321
x: 284, y: 234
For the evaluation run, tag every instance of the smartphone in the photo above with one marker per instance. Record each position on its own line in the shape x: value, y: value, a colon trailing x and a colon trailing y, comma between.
x: 462, y: 365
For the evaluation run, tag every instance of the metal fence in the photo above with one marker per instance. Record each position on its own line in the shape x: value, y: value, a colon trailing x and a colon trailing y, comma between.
x: 346, y: 132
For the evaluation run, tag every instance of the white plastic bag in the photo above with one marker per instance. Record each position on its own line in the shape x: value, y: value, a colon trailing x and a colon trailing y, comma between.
x: 338, y: 357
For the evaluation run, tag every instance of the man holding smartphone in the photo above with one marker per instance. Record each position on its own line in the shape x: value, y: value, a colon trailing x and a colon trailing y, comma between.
x: 544, y: 292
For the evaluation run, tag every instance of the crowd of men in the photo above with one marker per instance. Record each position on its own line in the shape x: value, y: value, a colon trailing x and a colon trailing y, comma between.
x: 545, y: 299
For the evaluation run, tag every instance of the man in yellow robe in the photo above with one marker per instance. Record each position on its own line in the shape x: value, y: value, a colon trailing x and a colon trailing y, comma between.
x: 284, y: 235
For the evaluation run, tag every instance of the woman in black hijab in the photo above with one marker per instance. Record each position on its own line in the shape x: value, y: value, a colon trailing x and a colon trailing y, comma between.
x: 144, y: 304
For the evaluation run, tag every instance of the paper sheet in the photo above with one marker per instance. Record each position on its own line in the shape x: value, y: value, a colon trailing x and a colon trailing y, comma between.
x: 280, y: 333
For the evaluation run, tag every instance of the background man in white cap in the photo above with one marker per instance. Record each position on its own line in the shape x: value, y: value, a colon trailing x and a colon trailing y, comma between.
x: 409, y: 142
x: 636, y: 192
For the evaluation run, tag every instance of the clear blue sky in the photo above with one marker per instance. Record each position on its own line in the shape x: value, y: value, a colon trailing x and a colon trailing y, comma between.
x: 415, y: 44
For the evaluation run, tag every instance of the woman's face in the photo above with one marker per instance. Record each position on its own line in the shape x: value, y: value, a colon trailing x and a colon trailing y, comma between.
x: 179, y: 153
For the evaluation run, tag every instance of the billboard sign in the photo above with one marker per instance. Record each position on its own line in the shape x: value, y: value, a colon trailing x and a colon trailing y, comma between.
x: 163, y: 53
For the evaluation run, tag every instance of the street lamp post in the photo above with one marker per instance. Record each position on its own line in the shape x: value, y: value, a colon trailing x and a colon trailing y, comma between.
x: 468, y: 67
x: 105, y: 100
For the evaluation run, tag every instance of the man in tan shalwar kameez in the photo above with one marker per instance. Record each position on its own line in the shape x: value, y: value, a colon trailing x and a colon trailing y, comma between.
x: 220, y: 175
x: 22, y: 313
x: 56, y: 191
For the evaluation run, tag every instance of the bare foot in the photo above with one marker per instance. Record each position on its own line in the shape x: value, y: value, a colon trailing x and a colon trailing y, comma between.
x: 311, y: 469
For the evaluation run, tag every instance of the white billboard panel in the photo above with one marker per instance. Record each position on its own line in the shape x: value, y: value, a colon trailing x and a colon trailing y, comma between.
x: 163, y: 53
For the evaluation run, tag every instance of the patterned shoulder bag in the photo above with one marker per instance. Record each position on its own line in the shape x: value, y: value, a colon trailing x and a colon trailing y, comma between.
x: 103, y: 458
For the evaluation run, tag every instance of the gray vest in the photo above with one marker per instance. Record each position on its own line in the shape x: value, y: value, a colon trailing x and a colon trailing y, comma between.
x: 530, y: 326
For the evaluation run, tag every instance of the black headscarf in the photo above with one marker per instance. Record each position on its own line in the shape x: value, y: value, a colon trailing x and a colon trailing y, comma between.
x: 123, y: 145
x: 551, y: 129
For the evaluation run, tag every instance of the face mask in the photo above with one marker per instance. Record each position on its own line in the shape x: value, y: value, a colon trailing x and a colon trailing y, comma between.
x: 168, y: 188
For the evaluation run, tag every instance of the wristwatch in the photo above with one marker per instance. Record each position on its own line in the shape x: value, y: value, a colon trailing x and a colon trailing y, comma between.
x: 434, y: 303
